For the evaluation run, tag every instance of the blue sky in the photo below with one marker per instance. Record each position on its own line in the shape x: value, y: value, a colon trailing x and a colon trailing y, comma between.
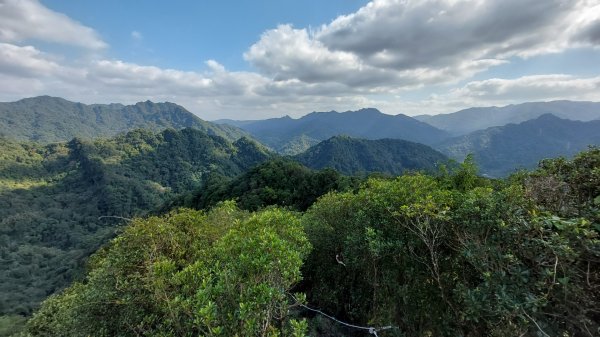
x: 183, y: 34
x: 259, y: 59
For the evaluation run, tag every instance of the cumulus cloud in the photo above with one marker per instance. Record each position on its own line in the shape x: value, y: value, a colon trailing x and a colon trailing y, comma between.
x: 25, y: 61
x: 401, y: 43
x: 288, y: 54
x: 296, y: 55
x: 373, y: 57
x: 24, y: 20
x: 406, y: 34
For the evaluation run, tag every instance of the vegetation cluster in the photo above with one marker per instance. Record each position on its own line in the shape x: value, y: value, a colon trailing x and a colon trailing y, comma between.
x: 449, y: 254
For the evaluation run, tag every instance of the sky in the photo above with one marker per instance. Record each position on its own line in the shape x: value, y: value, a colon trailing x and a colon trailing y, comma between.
x: 269, y: 58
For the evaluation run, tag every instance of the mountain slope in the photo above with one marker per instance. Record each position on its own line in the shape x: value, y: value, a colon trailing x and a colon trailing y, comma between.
x: 500, y: 150
x: 51, y: 119
x: 474, y: 119
x: 279, y: 181
x: 53, y: 198
x: 354, y: 156
x: 292, y: 136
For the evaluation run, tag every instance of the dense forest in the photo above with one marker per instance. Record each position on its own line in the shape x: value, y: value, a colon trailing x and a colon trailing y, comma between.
x: 353, y: 156
x: 281, y: 182
x: 445, y: 254
x: 61, y: 202
x: 345, y: 168
x: 203, y: 231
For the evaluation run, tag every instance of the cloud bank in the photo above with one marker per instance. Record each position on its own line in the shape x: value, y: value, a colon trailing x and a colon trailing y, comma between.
x: 376, y: 56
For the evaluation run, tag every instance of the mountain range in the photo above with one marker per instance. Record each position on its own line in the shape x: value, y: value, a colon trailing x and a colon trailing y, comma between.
x: 494, y: 135
x: 499, y: 144
x: 72, y: 174
x: 52, y: 119
x: 292, y: 136
x: 474, y: 119
x: 500, y: 150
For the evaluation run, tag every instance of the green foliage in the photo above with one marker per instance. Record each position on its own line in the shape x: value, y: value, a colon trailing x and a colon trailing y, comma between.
x: 463, y: 176
x: 568, y: 187
x: 361, y: 156
x: 51, y: 198
x: 189, y: 273
x: 276, y: 182
x: 451, y: 256
x: 11, y: 324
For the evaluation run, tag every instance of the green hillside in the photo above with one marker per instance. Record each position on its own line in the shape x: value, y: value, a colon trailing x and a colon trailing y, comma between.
x: 361, y: 156
x: 52, y: 198
x: 276, y: 182
x: 48, y: 119
x: 418, y: 255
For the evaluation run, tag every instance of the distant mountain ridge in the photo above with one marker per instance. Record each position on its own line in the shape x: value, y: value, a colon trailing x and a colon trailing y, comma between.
x: 501, y: 150
x: 473, y: 119
x: 48, y: 119
x: 291, y: 136
x: 361, y: 156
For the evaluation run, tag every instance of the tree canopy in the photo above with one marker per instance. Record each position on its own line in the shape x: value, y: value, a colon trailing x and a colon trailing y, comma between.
x: 421, y: 255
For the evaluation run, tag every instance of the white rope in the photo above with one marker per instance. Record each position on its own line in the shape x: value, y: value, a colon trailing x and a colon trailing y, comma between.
x: 114, y: 216
x: 371, y: 330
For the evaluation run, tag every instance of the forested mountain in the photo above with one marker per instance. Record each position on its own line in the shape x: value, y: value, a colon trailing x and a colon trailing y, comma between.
x: 435, y: 252
x: 474, y: 119
x: 501, y: 150
x: 361, y: 156
x: 281, y: 182
x: 292, y: 136
x: 447, y: 255
x: 51, y: 119
x: 57, y: 201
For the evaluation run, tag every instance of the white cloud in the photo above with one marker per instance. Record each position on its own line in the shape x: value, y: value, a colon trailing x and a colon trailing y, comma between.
x: 538, y: 87
x: 431, y: 33
x: 24, y: 20
x: 586, y: 26
x: 25, y: 61
x: 374, y: 57
x: 296, y: 55
x: 500, y: 92
x: 287, y: 54
x: 399, y: 43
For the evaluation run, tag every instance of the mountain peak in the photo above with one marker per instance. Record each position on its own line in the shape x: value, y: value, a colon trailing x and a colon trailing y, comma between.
x: 358, y: 156
x: 54, y: 119
x: 43, y: 98
x: 368, y: 111
x: 548, y: 117
x: 292, y: 136
x: 472, y: 119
